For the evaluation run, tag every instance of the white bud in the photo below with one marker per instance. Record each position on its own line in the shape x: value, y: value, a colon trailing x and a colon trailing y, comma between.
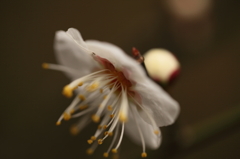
x: 161, y: 65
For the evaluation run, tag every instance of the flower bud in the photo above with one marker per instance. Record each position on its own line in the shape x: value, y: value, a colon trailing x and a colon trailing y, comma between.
x: 162, y: 65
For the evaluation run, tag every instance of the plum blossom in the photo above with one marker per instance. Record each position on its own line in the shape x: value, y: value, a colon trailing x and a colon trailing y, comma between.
x: 113, y: 90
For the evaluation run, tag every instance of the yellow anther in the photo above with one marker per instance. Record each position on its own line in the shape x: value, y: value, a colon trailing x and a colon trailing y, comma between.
x: 66, y: 116
x: 110, y: 133
x: 100, y: 141
x: 80, y: 84
x: 144, y: 154
x: 99, y: 127
x: 58, y: 123
x: 109, y: 108
x: 82, y: 97
x: 104, y: 126
x: 101, y: 90
x: 156, y: 132
x: 106, y: 133
x: 92, y: 87
x: 105, y: 97
x: 67, y: 91
x: 95, y: 118
x: 105, y: 154
x: 89, y: 151
x: 93, y: 138
x: 122, y: 117
x: 72, y: 111
x: 90, y: 141
x: 81, y: 107
x: 74, y: 130
x: 75, y: 87
x: 112, y: 115
x: 45, y: 66
x: 114, y: 150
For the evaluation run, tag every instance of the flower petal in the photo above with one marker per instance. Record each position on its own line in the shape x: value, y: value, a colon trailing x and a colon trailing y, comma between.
x: 71, y: 51
x: 152, y: 140
x: 130, y: 67
x: 163, y: 107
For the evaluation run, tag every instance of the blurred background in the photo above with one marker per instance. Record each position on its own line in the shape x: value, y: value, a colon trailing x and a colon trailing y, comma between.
x: 203, y: 34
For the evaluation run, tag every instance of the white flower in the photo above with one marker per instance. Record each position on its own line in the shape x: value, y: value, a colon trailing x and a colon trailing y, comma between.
x: 113, y: 89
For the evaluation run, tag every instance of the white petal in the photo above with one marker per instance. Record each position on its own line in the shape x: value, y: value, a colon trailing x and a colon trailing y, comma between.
x: 118, y: 58
x: 164, y: 108
x: 75, y: 34
x: 71, y: 51
x: 152, y: 140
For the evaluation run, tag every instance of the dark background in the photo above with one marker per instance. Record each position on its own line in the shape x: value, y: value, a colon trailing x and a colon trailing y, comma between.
x: 207, y: 47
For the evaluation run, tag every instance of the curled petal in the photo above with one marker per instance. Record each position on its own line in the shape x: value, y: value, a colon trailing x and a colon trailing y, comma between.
x: 163, y: 107
x: 71, y: 51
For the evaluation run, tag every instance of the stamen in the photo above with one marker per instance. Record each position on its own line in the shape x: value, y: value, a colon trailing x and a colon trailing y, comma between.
x: 100, y: 141
x: 109, y: 108
x: 114, y: 139
x: 72, y: 111
x: 45, y: 65
x: 134, y: 112
x: 59, y: 68
x: 113, y: 117
x: 105, y: 154
x: 81, y: 107
x: 95, y: 118
x: 68, y: 110
x: 89, y: 151
x: 144, y: 154
x: 124, y: 107
x: 110, y: 133
x: 66, y: 116
x: 90, y: 141
x: 82, y: 97
x: 115, y: 121
x: 106, y: 133
x: 92, y: 148
x: 114, y: 150
x: 67, y: 91
x: 120, y: 139
x: 75, y: 129
x: 58, y: 123
x: 93, y: 138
